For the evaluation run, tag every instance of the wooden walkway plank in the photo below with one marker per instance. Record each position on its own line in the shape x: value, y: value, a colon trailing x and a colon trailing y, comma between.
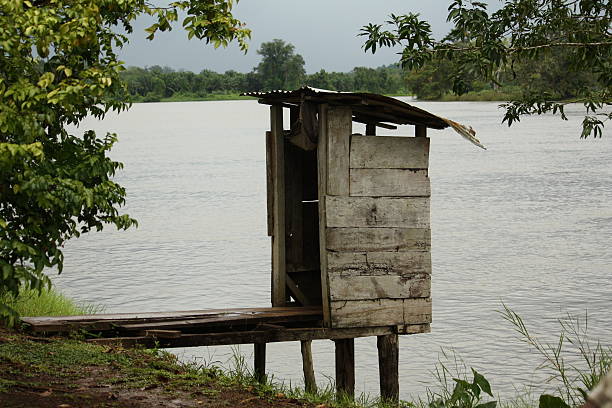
x: 251, y: 337
x: 172, y: 319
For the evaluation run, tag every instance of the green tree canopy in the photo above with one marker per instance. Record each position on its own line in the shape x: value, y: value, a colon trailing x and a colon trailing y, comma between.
x: 58, y: 65
x: 483, y: 44
x: 280, y: 67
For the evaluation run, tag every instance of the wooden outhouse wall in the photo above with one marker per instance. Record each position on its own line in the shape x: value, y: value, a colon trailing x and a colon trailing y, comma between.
x: 374, y: 216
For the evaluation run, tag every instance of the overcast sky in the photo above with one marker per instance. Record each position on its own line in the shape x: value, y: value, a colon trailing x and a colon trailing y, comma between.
x: 324, y: 32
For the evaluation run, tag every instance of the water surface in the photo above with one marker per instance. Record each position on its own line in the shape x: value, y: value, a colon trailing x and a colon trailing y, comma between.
x: 527, y: 222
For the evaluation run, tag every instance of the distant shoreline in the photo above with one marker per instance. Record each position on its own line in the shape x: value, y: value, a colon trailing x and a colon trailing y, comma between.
x: 481, y: 96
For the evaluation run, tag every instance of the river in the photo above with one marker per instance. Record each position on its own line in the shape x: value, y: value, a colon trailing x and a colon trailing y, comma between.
x: 527, y: 222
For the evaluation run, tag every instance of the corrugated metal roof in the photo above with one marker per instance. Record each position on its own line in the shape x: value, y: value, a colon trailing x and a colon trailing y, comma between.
x: 367, y: 107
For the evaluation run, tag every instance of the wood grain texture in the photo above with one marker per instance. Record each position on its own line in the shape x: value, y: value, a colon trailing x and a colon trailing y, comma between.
x: 389, y: 183
x: 339, y: 128
x: 389, y: 152
x: 270, y: 181
x: 322, y: 193
x: 347, y: 287
x: 378, y: 312
x: 388, y: 366
x: 278, y: 238
x: 261, y: 336
x: 377, y: 239
x: 345, y: 367
x: 310, y: 382
x: 410, y: 212
x: 379, y: 263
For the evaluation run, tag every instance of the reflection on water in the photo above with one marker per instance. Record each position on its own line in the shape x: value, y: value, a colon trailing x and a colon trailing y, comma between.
x: 527, y: 223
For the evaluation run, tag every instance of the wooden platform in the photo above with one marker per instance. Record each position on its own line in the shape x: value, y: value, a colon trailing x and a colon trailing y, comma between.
x: 206, y: 327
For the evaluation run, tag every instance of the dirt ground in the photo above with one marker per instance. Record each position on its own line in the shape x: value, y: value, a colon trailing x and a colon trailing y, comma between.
x: 59, y: 373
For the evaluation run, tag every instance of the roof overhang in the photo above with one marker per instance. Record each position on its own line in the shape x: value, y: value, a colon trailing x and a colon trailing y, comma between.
x: 367, y: 108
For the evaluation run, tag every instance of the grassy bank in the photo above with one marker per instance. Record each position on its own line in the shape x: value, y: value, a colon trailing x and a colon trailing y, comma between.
x: 49, y: 302
x: 68, y: 372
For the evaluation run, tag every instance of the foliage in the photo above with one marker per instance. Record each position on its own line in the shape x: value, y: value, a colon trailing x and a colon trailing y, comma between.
x: 521, y: 32
x: 58, y: 65
x: 48, y: 302
x: 280, y: 67
x: 575, y: 379
x: 157, y: 83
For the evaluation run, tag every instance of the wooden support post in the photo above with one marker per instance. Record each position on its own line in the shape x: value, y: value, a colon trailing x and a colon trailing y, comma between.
x: 345, y: 366
x: 310, y: 383
x: 388, y: 366
x: 420, y: 131
x: 278, y: 238
x: 370, y: 129
x: 259, y: 366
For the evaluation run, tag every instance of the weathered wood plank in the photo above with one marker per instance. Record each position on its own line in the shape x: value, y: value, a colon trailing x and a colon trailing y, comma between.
x: 339, y: 128
x: 380, y: 312
x: 270, y: 181
x: 278, y: 238
x: 322, y: 184
x: 165, y: 320
x: 378, y: 239
x: 345, y: 367
x: 294, y: 220
x: 379, y: 263
x: 389, y: 152
x: 390, y: 183
x: 410, y: 212
x: 344, y: 287
x: 310, y: 382
x: 255, y: 336
x: 388, y: 366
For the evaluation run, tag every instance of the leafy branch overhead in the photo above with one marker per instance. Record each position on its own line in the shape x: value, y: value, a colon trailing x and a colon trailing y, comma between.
x: 58, y: 65
x: 488, y: 45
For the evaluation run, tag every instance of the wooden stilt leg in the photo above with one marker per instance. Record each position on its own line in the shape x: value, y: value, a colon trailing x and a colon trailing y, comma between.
x: 310, y: 383
x: 388, y: 366
x: 345, y: 366
x: 260, y: 361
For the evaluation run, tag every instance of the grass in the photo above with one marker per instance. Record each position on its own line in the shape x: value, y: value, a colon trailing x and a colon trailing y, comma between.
x: 49, y: 302
x: 40, y: 364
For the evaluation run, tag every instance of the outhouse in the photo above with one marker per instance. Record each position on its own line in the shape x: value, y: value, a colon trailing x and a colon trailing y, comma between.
x: 349, y: 213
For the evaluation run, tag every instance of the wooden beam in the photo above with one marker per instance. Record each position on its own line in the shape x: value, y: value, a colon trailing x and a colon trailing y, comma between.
x: 310, y: 383
x: 359, y: 119
x: 370, y: 129
x: 259, y: 364
x: 322, y: 185
x: 339, y: 129
x: 420, y: 131
x: 296, y: 292
x: 278, y: 239
x: 256, y: 336
x: 345, y: 367
x: 270, y: 181
x: 388, y: 366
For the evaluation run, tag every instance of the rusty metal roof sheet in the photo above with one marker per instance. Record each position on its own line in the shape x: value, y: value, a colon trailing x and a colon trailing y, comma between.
x: 367, y: 108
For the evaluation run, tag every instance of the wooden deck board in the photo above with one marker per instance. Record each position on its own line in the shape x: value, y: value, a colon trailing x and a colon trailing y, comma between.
x: 157, y: 320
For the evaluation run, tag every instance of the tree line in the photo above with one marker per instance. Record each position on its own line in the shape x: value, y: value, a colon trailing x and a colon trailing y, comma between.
x: 280, y: 68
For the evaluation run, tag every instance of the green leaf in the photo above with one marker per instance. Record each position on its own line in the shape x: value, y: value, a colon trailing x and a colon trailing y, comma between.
x: 490, y: 404
x: 482, y: 382
x: 551, y: 401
